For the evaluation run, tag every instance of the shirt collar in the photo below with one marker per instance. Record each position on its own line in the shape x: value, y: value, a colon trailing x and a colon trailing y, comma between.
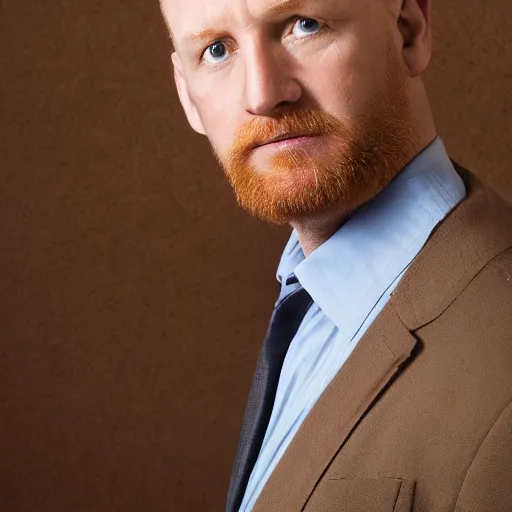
x: 347, y: 275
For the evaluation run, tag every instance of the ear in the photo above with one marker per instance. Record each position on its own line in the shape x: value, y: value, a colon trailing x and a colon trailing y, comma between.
x: 188, y: 105
x: 416, y: 31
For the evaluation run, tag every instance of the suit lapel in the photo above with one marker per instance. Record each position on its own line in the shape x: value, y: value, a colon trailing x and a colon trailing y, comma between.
x: 376, y: 359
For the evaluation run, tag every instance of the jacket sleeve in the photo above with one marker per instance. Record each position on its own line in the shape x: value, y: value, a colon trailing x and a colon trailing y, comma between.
x: 487, y: 486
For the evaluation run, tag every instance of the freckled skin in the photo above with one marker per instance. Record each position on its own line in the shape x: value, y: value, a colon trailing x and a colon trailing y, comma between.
x: 351, y: 74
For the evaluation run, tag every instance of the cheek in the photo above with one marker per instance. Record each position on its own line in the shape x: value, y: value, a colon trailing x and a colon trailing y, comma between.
x: 216, y: 113
x: 365, y: 65
x: 342, y: 83
x: 219, y: 131
x: 213, y: 92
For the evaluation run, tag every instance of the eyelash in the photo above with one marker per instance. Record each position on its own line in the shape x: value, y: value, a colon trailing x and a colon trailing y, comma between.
x: 291, y: 22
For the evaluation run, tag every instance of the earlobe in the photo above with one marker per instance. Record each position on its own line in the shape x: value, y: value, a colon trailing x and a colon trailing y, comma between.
x: 186, y: 102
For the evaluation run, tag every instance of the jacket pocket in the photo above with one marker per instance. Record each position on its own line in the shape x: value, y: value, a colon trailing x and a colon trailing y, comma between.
x: 362, y: 495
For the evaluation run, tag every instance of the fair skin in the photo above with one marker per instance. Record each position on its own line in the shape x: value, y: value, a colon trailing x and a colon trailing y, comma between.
x: 260, y: 62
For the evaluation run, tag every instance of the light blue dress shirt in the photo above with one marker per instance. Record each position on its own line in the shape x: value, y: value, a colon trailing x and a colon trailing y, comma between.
x: 350, y: 278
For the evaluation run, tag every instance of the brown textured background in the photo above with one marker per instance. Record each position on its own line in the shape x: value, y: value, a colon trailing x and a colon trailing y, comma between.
x: 134, y: 295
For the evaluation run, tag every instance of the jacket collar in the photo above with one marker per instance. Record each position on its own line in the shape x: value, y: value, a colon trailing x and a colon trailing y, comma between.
x: 472, y: 235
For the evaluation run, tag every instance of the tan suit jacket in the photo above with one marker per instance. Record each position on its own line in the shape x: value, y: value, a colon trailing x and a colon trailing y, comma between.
x: 420, y: 416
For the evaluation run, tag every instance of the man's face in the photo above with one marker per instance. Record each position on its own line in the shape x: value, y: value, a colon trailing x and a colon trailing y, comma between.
x: 326, y: 70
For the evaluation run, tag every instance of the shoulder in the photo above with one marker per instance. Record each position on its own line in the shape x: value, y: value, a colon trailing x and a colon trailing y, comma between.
x: 464, y: 249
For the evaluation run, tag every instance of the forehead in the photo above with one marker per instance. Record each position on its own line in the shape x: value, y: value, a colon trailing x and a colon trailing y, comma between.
x: 196, y: 9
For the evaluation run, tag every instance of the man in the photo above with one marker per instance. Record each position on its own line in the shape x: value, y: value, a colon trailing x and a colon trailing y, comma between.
x: 388, y: 385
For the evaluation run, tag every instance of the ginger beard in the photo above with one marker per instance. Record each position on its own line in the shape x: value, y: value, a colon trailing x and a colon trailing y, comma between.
x: 358, y: 157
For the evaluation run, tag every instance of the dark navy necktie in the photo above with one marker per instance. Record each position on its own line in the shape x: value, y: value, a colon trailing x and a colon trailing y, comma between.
x: 284, y: 323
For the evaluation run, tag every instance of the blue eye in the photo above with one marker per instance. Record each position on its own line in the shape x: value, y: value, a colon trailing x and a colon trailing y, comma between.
x: 216, y: 51
x: 309, y: 25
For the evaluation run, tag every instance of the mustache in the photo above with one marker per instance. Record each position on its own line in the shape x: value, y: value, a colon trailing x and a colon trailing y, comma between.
x: 303, y: 122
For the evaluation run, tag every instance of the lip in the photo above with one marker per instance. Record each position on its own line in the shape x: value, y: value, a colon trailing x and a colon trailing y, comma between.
x: 285, y: 137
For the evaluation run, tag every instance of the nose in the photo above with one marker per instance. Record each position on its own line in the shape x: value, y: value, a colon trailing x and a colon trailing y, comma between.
x: 268, y: 81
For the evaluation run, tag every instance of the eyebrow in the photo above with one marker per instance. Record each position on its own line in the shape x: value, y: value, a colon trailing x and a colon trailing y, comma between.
x: 280, y: 7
